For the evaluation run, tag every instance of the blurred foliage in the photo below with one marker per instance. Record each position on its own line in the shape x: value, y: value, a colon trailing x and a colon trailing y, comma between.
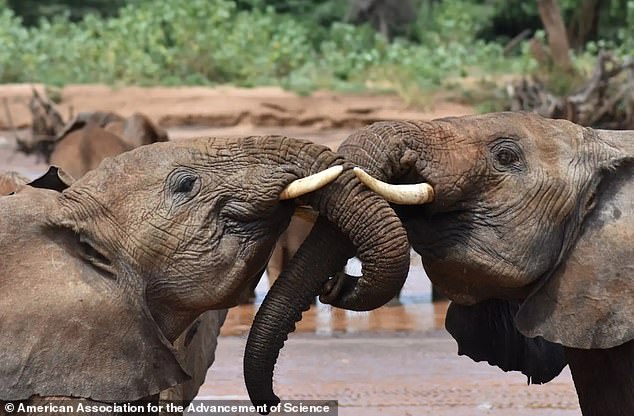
x: 298, y: 44
x: 31, y: 11
x: 321, y: 12
x: 216, y: 41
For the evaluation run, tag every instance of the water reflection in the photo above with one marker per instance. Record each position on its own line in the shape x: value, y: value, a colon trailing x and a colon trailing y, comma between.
x: 326, y: 320
x: 416, y: 312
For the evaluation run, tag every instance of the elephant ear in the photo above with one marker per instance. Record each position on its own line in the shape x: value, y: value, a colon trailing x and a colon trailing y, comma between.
x: 68, y: 328
x: 589, y: 300
x: 55, y: 178
x: 486, y: 332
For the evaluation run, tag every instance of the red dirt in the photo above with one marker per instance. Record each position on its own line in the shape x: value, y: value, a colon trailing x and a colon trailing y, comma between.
x: 227, y: 106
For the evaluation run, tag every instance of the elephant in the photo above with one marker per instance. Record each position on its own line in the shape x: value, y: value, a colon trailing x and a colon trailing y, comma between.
x: 9, y: 182
x: 68, y: 143
x: 197, y: 344
x: 91, y: 137
x: 136, y: 130
x: 124, y: 259
x: 83, y: 150
x: 78, y: 148
x: 529, y: 234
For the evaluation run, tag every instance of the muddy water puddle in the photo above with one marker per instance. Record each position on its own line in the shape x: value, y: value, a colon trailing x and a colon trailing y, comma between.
x: 413, y: 311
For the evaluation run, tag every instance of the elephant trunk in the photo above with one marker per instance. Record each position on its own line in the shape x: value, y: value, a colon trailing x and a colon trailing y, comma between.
x: 390, y: 152
x: 352, y: 219
x: 291, y: 294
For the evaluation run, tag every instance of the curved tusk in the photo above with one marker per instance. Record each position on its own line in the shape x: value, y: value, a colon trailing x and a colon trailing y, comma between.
x: 310, y: 183
x: 415, y: 194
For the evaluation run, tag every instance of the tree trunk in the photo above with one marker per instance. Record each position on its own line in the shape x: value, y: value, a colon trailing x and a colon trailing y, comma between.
x: 556, y: 30
x: 584, y: 24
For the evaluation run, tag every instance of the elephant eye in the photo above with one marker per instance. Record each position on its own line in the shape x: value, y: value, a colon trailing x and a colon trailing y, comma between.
x: 183, y: 184
x: 507, y: 155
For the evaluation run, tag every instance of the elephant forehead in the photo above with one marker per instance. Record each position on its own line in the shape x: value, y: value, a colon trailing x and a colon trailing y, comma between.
x: 142, y: 163
x: 198, y: 151
x: 551, y: 143
x: 514, y: 124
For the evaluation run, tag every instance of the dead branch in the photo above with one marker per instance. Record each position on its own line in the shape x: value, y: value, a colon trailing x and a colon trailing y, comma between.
x: 605, y: 100
x: 513, y: 43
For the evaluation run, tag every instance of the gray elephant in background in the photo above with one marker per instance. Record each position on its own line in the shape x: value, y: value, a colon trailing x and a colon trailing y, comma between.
x: 122, y: 261
x: 530, y: 233
x: 67, y: 145
x: 91, y: 137
x: 136, y: 130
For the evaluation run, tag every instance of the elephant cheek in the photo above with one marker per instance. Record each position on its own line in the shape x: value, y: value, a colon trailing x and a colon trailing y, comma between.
x: 452, y: 283
x: 228, y: 253
x: 467, y: 284
x: 236, y: 264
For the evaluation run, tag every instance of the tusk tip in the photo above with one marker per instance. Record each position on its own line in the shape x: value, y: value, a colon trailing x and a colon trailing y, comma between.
x: 311, y: 183
x: 409, y: 194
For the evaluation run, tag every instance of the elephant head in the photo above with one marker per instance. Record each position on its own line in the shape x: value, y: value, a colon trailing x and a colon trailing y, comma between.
x: 527, y: 211
x: 100, y: 278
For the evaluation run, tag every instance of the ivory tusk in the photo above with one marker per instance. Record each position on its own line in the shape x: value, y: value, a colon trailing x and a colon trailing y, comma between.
x: 310, y: 183
x: 415, y: 194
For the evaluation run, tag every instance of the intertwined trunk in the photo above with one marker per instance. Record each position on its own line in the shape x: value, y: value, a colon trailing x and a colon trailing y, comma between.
x: 353, y: 220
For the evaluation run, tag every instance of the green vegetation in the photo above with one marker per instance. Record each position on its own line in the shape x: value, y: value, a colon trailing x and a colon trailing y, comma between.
x: 300, y: 44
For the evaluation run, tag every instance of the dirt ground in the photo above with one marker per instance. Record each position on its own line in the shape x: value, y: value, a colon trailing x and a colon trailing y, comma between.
x: 390, y: 372
x: 225, y: 106
x: 393, y: 361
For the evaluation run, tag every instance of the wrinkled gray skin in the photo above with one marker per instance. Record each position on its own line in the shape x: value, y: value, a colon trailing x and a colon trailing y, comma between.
x: 105, y: 275
x: 80, y: 147
x: 195, y: 347
x: 285, y: 248
x: 530, y: 234
x: 91, y: 137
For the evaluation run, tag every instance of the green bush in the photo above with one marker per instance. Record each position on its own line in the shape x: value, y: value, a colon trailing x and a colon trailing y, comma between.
x: 221, y: 41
